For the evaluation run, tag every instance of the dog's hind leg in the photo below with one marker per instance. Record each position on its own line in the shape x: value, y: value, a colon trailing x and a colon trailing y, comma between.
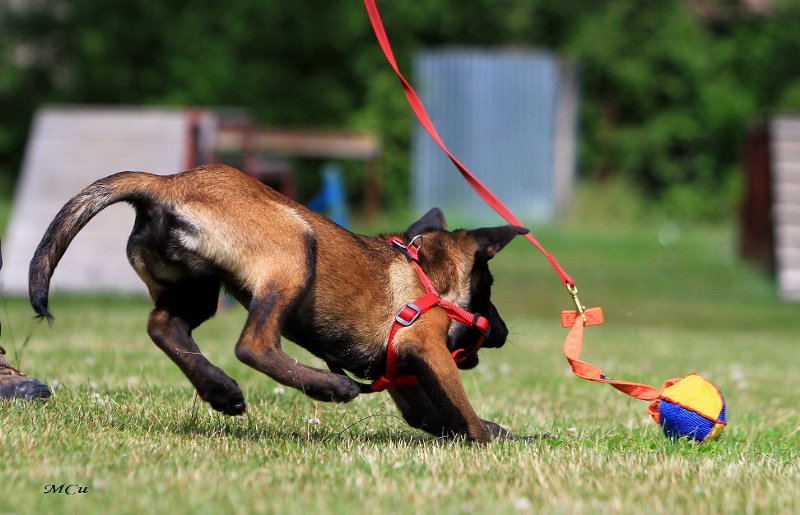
x: 260, y: 347
x: 179, y: 308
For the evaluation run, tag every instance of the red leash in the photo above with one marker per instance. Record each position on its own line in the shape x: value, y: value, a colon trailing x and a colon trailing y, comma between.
x: 422, y: 115
x: 577, y: 318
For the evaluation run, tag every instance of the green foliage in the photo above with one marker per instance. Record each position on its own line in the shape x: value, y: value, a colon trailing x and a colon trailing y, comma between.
x: 669, y: 96
x: 668, y: 91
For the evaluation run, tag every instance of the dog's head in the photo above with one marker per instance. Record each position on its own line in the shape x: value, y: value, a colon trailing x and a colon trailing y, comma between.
x: 458, y: 264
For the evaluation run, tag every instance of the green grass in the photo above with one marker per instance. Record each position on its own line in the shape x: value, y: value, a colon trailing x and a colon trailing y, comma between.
x: 125, y: 423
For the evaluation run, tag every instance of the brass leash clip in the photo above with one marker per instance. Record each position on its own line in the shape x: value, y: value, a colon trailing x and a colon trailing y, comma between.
x: 573, y: 290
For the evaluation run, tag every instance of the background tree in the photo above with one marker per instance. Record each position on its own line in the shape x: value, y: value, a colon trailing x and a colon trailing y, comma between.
x: 668, y: 86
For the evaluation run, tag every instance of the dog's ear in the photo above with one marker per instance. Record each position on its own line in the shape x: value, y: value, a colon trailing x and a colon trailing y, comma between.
x: 491, y: 240
x: 433, y: 220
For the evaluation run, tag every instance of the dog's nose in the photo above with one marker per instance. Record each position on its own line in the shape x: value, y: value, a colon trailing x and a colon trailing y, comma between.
x: 499, y: 331
x: 502, y: 334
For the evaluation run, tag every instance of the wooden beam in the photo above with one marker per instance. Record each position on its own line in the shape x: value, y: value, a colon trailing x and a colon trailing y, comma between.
x: 357, y: 146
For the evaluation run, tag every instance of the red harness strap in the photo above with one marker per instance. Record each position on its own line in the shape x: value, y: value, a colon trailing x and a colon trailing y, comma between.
x: 411, y: 312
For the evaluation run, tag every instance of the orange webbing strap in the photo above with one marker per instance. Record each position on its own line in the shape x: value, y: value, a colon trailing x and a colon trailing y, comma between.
x: 584, y: 370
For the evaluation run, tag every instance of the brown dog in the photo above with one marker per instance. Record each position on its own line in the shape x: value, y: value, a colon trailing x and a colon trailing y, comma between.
x: 299, y: 275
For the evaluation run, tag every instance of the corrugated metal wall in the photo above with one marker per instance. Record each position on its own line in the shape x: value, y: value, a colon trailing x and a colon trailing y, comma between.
x: 499, y: 113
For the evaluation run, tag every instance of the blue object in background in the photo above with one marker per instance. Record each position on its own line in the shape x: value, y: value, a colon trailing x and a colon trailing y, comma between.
x: 330, y: 200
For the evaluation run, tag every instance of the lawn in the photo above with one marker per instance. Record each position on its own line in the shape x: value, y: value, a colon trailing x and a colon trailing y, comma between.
x: 125, y: 424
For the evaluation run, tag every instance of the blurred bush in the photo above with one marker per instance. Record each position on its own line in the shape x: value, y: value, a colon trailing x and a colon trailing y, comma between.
x: 668, y: 85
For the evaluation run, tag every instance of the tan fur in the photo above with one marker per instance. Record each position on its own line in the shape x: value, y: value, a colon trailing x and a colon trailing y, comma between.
x: 298, y: 274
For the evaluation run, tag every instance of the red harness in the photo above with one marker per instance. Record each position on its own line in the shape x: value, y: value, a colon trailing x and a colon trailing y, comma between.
x: 409, y: 314
x: 577, y: 318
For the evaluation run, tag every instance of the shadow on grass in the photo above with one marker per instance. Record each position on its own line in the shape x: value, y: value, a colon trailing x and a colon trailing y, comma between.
x: 270, y: 419
x: 154, y: 412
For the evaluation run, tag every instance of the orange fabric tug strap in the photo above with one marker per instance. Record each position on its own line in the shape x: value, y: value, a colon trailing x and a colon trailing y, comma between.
x: 584, y: 370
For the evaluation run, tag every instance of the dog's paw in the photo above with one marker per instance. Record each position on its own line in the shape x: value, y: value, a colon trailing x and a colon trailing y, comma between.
x: 224, y: 396
x: 233, y: 405
x: 339, y: 389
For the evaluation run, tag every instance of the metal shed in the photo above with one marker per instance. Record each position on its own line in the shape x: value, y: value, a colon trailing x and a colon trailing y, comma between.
x: 510, y: 117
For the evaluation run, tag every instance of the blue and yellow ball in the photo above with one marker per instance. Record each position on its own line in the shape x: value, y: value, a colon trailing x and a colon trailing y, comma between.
x: 692, y: 408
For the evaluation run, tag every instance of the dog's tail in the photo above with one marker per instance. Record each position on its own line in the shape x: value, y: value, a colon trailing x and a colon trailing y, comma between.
x: 133, y: 187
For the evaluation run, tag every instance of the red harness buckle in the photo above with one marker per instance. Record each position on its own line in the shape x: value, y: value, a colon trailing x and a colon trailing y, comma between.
x: 408, y: 314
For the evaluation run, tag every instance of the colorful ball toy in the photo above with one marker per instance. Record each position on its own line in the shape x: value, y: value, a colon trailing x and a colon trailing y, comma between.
x: 692, y: 408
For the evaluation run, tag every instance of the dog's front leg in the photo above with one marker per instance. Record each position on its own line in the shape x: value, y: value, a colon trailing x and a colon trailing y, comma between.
x: 260, y: 347
x: 418, y: 410
x: 422, y: 348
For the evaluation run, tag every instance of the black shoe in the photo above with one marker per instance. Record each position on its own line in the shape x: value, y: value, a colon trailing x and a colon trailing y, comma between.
x: 14, y: 384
